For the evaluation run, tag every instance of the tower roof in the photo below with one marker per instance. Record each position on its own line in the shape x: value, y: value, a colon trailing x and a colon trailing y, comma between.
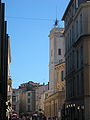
x: 56, y: 23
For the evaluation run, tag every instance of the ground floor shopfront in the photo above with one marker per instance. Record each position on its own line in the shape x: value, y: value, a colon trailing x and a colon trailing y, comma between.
x: 74, y: 112
x: 78, y: 109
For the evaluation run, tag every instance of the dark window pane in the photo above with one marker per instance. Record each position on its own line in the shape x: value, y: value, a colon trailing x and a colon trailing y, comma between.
x: 59, y: 51
x: 62, y: 76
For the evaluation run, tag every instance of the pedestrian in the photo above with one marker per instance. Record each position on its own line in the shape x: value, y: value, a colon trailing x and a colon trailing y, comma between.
x: 27, y: 118
x: 43, y: 118
x: 23, y: 117
x: 10, y: 118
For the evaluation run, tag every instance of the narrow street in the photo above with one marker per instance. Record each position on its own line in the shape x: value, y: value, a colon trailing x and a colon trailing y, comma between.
x: 45, y: 60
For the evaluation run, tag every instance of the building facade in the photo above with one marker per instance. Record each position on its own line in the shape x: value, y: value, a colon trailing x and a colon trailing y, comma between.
x: 54, y: 103
x: 27, y: 97
x: 60, y: 77
x: 15, y: 100
x: 3, y: 62
x: 30, y: 101
x: 77, y: 57
x: 40, y: 96
x: 9, y: 86
x: 27, y: 102
x: 22, y: 105
x: 56, y: 97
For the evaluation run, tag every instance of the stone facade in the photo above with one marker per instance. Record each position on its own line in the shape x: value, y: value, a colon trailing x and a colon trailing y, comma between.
x: 15, y: 100
x: 60, y: 77
x: 40, y: 96
x: 30, y: 101
x: 26, y: 102
x: 53, y: 105
x: 77, y: 57
x: 54, y: 101
x: 27, y: 97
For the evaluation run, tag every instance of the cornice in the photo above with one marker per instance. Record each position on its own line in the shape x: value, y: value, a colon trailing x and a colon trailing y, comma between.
x: 56, y: 31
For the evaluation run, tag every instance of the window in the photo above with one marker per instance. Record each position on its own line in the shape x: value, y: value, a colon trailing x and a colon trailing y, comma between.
x: 70, y: 38
x: 14, y: 99
x: 76, y: 28
x: 66, y: 65
x: 28, y: 108
x: 28, y: 100
x: 80, y: 23
x: 62, y: 75
x: 72, y: 34
x: 59, y: 51
x: 46, y: 95
x: 70, y: 62
x: 66, y: 44
x: 14, y: 107
x: 68, y: 41
x: 82, y: 83
x: 73, y: 59
x: 77, y: 59
x: 72, y: 9
x: 81, y: 55
x: 73, y: 86
x: 63, y: 89
x: 28, y: 94
x: 78, y: 84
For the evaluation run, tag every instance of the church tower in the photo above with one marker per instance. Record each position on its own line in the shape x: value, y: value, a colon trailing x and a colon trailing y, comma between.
x: 56, y: 53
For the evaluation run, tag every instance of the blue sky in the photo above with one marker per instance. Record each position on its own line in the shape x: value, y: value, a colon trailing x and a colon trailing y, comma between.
x: 29, y: 24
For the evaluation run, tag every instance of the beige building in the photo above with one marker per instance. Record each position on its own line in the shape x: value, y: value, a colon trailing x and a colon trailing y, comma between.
x: 77, y: 57
x: 27, y: 102
x: 55, y: 99
x: 15, y: 100
x: 54, y: 102
x: 40, y: 93
x: 60, y: 77
x: 22, y: 105
x: 27, y: 97
x: 30, y: 101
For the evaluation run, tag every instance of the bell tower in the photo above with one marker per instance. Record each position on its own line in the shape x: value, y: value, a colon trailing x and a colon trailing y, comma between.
x: 56, y: 52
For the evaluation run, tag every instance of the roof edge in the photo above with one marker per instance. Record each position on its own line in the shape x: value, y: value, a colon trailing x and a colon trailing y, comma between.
x: 69, y: 4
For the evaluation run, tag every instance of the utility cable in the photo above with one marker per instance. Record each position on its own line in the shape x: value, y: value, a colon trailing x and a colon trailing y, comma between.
x: 27, y: 18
